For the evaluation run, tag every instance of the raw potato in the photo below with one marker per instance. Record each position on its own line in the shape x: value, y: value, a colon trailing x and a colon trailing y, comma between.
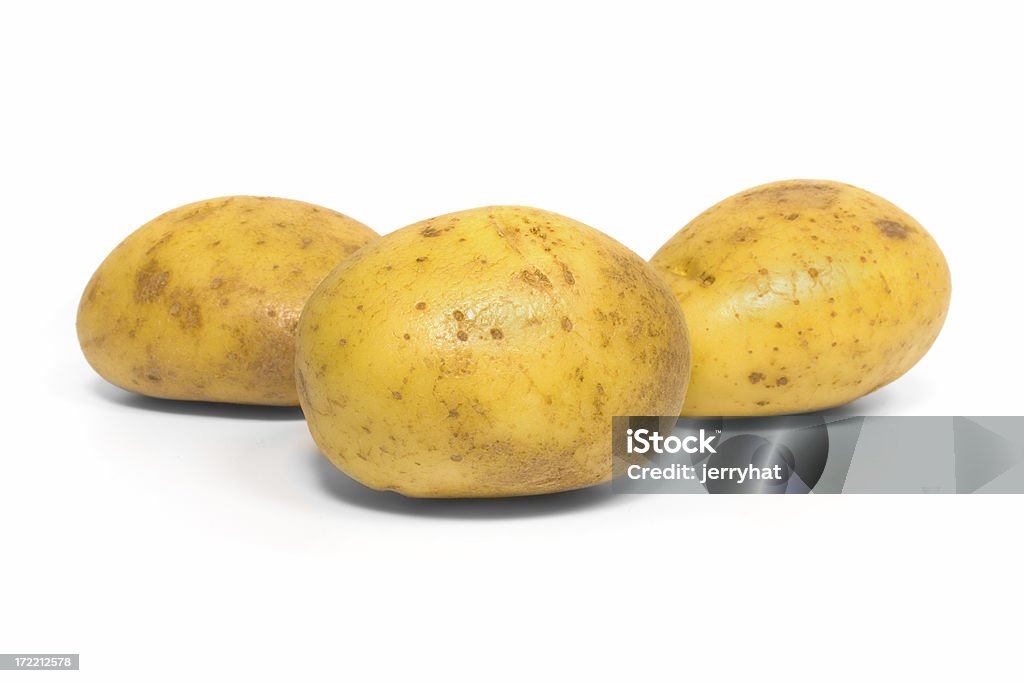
x: 802, y: 295
x: 201, y: 303
x: 484, y: 353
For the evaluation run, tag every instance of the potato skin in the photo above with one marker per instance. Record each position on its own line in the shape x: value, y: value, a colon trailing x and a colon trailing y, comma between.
x: 802, y: 295
x: 483, y: 353
x: 201, y: 303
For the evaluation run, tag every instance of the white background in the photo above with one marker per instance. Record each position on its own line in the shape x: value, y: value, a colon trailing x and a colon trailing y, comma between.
x: 171, y: 542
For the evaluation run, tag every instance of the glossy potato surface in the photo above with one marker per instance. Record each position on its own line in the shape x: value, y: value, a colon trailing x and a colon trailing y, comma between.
x: 802, y: 295
x: 484, y: 353
x: 201, y: 303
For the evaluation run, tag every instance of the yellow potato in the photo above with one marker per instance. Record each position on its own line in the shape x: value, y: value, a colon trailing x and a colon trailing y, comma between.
x: 801, y: 295
x: 201, y: 303
x: 484, y: 353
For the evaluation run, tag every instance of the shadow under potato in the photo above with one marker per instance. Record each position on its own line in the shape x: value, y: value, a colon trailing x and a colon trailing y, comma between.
x: 234, y: 411
x: 348, y: 490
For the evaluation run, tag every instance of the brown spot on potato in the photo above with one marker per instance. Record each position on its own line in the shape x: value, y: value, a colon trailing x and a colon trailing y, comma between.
x: 792, y: 216
x: 706, y: 280
x: 893, y: 229
x: 536, y: 279
x: 430, y: 231
x: 804, y: 194
x: 778, y: 325
x: 420, y: 306
x: 191, y: 316
x: 406, y: 336
x: 397, y: 395
x: 813, y: 272
x: 456, y: 458
x: 458, y: 315
x: 185, y: 307
x: 159, y: 243
x: 755, y: 377
x: 462, y: 335
x: 453, y: 412
x: 496, y: 333
x: 150, y: 283
x: 342, y: 342
x: 216, y: 282
x: 782, y: 381
x: 885, y: 284
x: 273, y: 359
x: 566, y: 324
x: 567, y: 275
x: 742, y: 234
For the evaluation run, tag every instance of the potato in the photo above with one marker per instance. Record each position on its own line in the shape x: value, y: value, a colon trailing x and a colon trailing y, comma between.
x: 802, y: 295
x: 484, y: 353
x: 201, y: 303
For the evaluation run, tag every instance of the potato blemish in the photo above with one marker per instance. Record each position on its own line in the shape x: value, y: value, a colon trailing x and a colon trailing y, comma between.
x: 893, y: 229
x: 150, y: 282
